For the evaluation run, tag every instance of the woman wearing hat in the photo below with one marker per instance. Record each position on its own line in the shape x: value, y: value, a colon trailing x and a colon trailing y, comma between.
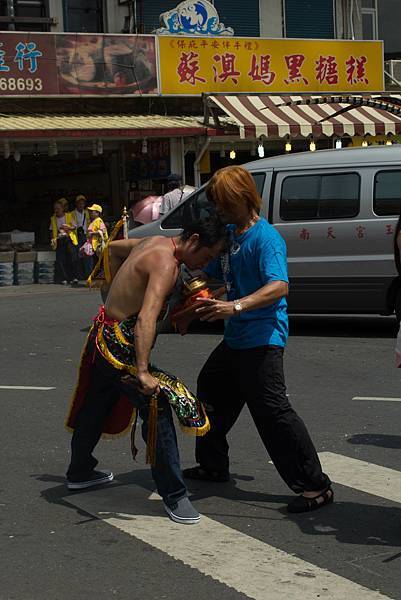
x: 64, y: 241
x: 97, y: 230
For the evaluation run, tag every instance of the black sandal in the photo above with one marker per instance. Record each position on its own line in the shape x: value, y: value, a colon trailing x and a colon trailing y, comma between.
x: 302, y: 504
x: 204, y: 475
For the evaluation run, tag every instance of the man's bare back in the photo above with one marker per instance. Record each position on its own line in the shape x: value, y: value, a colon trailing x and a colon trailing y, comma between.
x: 144, y: 273
x: 133, y: 263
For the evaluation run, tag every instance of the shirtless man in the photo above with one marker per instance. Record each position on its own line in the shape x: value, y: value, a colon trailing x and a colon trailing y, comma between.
x: 116, y: 359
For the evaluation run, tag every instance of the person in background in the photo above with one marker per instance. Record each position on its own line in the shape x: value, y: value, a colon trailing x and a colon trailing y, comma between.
x: 64, y: 241
x: 81, y: 219
x: 131, y: 215
x: 175, y: 194
x: 65, y: 204
x: 97, y: 230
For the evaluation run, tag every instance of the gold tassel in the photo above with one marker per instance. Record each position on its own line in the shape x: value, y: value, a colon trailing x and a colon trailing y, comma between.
x: 152, y: 432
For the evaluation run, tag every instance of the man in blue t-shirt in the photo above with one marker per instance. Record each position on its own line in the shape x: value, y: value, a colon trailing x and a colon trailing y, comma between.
x: 247, y: 366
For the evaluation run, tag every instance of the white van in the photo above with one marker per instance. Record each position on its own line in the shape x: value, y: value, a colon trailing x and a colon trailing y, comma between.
x: 337, y: 211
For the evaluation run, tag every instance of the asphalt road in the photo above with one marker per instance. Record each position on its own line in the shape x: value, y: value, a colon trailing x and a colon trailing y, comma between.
x: 116, y: 543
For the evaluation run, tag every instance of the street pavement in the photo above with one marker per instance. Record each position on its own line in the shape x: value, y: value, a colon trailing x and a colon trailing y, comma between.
x: 116, y: 542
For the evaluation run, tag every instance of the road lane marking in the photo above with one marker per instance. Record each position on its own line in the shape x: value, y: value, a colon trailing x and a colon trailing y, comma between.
x: 377, y: 399
x: 237, y: 560
x: 363, y: 476
x: 26, y: 387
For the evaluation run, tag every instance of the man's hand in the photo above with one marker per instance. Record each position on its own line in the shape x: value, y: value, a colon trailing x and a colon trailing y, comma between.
x: 148, y: 384
x: 211, y: 309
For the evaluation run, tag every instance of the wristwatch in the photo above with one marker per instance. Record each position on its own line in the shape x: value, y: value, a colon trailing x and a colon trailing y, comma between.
x: 237, y: 307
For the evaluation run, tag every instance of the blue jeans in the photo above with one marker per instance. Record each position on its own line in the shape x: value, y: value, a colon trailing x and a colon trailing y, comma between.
x: 105, y: 388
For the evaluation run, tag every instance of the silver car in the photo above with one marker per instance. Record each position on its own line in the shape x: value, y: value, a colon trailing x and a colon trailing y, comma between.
x: 337, y: 211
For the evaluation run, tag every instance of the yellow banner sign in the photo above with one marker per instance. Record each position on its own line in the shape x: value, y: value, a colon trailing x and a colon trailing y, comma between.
x: 192, y: 65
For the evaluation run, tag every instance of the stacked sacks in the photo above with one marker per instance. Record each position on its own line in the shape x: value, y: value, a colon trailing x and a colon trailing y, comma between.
x: 45, y: 267
x: 24, y: 270
x: 7, y: 268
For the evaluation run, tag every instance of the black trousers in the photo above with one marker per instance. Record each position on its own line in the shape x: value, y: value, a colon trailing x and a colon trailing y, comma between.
x: 231, y: 378
x: 84, y: 263
x: 66, y: 260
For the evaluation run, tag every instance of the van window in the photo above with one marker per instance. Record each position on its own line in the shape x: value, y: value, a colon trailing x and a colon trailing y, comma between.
x: 259, y: 181
x: 198, y: 207
x: 194, y: 208
x: 308, y: 197
x: 387, y: 194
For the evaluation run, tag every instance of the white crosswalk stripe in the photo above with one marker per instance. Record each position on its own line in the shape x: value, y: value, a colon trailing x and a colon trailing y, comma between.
x: 376, y: 399
x: 250, y: 566
x: 363, y: 476
x: 246, y: 564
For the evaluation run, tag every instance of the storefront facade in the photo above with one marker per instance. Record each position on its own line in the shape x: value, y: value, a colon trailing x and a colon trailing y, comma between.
x: 110, y: 116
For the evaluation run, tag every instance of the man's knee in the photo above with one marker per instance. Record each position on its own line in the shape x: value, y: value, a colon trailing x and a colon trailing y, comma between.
x: 270, y: 408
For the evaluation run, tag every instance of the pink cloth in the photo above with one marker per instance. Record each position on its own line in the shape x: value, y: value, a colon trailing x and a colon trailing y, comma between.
x: 147, y: 210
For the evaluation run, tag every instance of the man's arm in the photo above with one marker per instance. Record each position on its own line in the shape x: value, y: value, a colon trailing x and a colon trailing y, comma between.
x: 118, y: 252
x: 161, y: 274
x: 268, y: 294
x: 213, y: 310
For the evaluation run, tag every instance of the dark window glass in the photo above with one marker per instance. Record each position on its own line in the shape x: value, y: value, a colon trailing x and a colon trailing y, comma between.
x: 389, y: 13
x: 308, y: 197
x: 195, y: 207
x: 24, y: 8
x: 198, y: 206
x: 27, y: 9
x: 309, y: 19
x: 84, y: 16
x: 387, y: 194
x: 367, y: 26
x: 259, y: 181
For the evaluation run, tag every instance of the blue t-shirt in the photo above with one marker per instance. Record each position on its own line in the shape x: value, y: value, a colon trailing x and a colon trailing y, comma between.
x: 256, y: 258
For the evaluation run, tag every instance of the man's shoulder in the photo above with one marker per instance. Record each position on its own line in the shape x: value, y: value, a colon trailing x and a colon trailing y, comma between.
x: 159, y: 252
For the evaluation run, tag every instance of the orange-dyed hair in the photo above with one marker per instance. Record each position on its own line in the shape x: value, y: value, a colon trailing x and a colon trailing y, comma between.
x: 231, y: 186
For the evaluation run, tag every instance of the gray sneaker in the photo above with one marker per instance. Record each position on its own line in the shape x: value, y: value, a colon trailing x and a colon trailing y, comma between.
x: 95, y: 478
x: 183, y: 512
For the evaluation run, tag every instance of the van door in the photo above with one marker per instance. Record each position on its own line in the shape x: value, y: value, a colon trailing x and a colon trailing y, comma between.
x: 321, y: 217
x: 386, y: 210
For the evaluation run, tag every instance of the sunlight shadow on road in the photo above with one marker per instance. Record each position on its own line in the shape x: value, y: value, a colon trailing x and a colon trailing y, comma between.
x: 382, y: 440
x: 353, y: 523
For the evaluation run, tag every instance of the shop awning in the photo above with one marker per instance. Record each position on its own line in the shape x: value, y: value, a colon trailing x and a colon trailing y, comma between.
x: 310, y: 115
x: 99, y: 125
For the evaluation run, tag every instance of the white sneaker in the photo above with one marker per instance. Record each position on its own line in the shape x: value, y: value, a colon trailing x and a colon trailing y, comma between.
x: 183, y: 512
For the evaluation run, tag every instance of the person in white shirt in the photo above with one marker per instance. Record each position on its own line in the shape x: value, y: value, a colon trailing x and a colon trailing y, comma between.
x: 175, y: 194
